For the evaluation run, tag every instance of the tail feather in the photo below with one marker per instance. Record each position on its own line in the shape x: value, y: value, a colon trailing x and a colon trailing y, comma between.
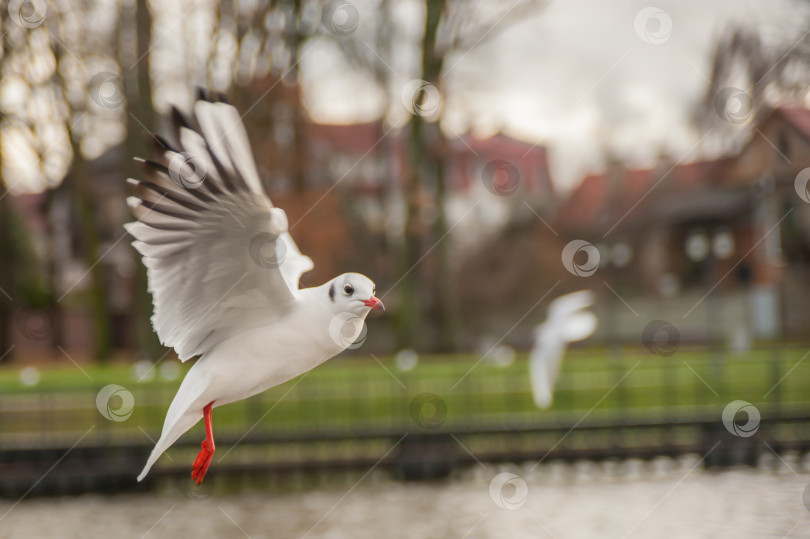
x: 184, y: 412
x: 171, y: 432
x: 156, y: 452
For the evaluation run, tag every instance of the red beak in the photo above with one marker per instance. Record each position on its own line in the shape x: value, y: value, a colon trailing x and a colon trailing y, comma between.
x: 374, y: 303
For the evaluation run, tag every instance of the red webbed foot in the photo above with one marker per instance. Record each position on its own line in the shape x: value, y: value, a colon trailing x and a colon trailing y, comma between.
x: 203, y: 460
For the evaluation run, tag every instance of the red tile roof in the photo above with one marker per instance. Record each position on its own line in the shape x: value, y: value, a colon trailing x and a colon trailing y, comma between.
x: 596, y: 206
x: 531, y: 160
x: 467, y: 154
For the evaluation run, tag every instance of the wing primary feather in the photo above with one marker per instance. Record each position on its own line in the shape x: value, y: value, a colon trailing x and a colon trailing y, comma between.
x: 160, y: 144
x: 174, y: 196
x: 222, y: 173
x: 147, y: 234
x: 178, y: 121
x: 195, y: 255
x: 214, y: 140
x: 199, y: 191
x: 164, y: 180
x: 154, y: 165
x: 211, y: 96
x: 226, y: 177
x: 167, y: 224
x: 165, y: 210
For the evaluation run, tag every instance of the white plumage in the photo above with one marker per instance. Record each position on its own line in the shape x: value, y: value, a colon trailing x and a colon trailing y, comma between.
x: 223, y: 272
x: 568, y: 321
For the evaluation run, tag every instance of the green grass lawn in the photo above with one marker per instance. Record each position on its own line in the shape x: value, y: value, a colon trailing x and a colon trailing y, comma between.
x: 359, y: 392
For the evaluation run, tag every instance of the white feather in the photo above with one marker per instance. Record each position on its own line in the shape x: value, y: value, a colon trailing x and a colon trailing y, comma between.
x: 224, y: 275
x: 567, y: 321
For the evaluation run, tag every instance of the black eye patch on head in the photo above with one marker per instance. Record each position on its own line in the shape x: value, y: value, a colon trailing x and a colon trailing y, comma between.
x: 332, y: 292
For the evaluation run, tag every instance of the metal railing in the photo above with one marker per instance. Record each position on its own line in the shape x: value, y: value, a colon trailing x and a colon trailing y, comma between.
x: 354, y: 414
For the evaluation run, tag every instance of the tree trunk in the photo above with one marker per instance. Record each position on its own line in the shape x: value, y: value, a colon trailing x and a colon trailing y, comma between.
x: 79, y: 186
x: 445, y: 294
x: 139, y: 105
x: 409, y: 312
x: 298, y: 119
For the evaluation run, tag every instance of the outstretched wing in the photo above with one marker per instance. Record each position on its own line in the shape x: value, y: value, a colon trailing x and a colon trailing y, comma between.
x: 568, y: 321
x: 218, y: 255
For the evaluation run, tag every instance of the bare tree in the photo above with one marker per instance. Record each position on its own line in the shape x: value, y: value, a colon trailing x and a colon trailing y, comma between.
x: 750, y: 75
x: 136, y: 27
x: 450, y: 27
x: 59, y: 125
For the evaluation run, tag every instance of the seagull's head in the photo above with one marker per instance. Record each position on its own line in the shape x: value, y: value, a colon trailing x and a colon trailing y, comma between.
x: 354, y: 293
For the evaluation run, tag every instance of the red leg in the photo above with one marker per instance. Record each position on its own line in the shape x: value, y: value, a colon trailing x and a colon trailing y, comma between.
x: 203, y: 460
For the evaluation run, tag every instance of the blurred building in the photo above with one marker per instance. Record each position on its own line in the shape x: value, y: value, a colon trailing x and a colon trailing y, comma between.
x: 738, y: 226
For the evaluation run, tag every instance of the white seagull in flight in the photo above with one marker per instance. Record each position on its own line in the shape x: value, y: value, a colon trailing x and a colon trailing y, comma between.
x: 568, y: 320
x: 223, y: 272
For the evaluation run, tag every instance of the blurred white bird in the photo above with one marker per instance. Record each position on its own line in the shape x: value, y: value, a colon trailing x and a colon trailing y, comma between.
x: 223, y: 272
x: 567, y: 321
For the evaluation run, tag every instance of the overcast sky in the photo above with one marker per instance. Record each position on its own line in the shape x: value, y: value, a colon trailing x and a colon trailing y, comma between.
x: 577, y: 76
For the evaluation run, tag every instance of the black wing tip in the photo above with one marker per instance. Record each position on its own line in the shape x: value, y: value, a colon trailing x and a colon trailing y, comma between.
x: 178, y: 118
x: 148, y: 164
x: 210, y: 96
x: 162, y: 143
